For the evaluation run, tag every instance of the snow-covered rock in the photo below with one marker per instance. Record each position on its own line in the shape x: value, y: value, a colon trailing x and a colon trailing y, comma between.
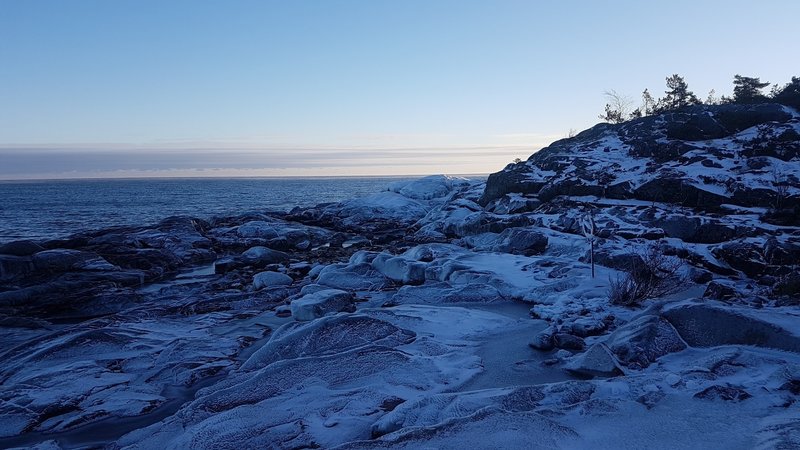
x: 321, y: 303
x: 354, y: 277
x: 428, y: 188
x: 400, y: 269
x: 263, y: 256
x: 710, y: 324
x: 643, y: 340
x: 268, y: 279
x: 597, y: 361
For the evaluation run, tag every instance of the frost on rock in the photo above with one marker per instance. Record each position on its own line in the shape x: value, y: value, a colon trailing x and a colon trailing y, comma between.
x: 321, y: 303
x: 405, y: 319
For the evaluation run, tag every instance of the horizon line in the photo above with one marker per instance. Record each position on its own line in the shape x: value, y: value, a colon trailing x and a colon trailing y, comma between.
x: 222, y: 177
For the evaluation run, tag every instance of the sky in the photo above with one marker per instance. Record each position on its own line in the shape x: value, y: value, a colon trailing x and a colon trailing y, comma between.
x: 336, y: 87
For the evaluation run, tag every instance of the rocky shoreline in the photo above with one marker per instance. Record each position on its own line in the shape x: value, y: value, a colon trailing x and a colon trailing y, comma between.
x: 439, y: 312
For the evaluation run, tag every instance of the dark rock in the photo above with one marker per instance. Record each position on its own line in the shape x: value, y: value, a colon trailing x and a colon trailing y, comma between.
x: 695, y: 127
x: 225, y: 265
x: 743, y: 256
x: 718, y: 290
x: 543, y: 340
x: 20, y: 248
x: 707, y: 325
x: 568, y: 341
x: 521, y: 241
x: 788, y: 286
x: 14, y: 266
x: 781, y: 253
x: 619, y: 261
x: 727, y: 393
x: 680, y: 192
x: 793, y: 386
x: 62, y: 260
x: 650, y: 399
x: 514, y: 178
x: 700, y: 276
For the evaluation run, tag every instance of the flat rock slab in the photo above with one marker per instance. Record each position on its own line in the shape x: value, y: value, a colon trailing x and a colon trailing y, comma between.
x: 707, y: 325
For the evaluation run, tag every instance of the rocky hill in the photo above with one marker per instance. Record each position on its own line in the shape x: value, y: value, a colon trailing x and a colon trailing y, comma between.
x: 442, y: 312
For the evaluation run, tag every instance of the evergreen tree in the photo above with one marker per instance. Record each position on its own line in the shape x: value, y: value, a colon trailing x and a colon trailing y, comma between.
x: 789, y: 94
x: 748, y: 90
x: 678, y: 95
x: 612, y: 115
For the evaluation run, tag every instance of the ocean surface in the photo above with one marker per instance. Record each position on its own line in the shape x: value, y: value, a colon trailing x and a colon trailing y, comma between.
x: 53, y: 209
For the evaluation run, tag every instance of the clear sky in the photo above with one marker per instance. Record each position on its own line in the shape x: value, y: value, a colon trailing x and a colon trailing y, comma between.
x: 336, y: 87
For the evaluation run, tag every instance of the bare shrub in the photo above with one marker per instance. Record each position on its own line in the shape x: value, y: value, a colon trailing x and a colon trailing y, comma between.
x: 654, y: 275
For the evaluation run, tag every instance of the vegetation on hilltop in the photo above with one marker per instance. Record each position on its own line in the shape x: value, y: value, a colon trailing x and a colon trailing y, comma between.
x: 746, y: 90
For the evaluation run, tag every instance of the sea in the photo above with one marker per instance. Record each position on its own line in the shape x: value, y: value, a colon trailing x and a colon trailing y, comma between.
x: 41, y: 210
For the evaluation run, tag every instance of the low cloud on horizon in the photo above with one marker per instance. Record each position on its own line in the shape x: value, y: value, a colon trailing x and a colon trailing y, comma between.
x: 25, y: 162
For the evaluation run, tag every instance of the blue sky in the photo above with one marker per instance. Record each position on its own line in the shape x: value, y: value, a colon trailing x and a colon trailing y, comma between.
x: 334, y: 87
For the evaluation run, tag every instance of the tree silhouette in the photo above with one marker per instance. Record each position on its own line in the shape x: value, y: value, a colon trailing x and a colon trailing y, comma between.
x: 617, y: 108
x: 678, y: 95
x: 748, y: 90
x: 789, y: 94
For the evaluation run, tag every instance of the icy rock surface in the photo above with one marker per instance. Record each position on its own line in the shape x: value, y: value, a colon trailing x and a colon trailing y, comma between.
x: 442, y: 312
x: 321, y: 303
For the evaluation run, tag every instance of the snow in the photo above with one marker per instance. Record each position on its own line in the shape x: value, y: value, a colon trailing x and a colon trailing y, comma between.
x: 428, y: 188
x: 424, y: 342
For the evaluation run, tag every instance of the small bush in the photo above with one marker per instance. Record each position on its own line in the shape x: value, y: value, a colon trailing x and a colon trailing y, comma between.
x: 653, y: 276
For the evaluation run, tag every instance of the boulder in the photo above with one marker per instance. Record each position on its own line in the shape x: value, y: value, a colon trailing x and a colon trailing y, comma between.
x: 643, y: 340
x: 679, y: 191
x: 522, y: 241
x: 781, y: 253
x: 428, y: 188
x: 322, y: 303
x: 543, y: 340
x: 268, y: 279
x: 587, y: 326
x: 64, y: 260
x: 725, y: 392
x: 14, y: 266
x: 720, y: 290
x: 568, y: 341
x: 709, y: 325
x: 788, y: 286
x: 353, y: 277
x: 262, y: 256
x: 513, y: 178
x: 257, y: 229
x: 597, y: 361
x: 20, y: 248
x: 400, y: 269
x: 743, y: 256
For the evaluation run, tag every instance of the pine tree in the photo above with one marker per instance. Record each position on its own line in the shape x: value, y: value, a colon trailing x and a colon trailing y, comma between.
x: 748, y: 90
x: 789, y: 94
x: 678, y: 95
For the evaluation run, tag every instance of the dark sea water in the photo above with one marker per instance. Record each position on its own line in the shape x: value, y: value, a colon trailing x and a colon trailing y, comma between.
x: 51, y: 209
